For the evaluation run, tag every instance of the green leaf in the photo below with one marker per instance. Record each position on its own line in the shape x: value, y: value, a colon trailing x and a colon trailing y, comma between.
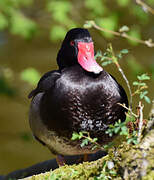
x: 105, y: 63
x: 84, y: 142
x: 142, y: 94
x: 124, y: 131
x: 119, y: 56
x: 142, y: 84
x: 129, y: 140
x: 98, y: 54
x: 94, y: 147
x: 75, y: 136
x: 124, y: 51
x: 135, y: 141
x: 95, y: 139
x: 116, y: 130
x: 109, y: 132
x: 136, y: 83
x: 30, y: 75
x: 104, y: 58
x: 147, y: 99
x: 124, y: 29
x: 143, y: 77
x: 87, y: 25
x: 114, y: 173
x: 80, y: 135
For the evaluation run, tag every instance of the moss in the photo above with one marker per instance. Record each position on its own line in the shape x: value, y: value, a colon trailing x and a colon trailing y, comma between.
x: 149, y: 176
x: 130, y: 162
x: 42, y: 176
x: 86, y: 170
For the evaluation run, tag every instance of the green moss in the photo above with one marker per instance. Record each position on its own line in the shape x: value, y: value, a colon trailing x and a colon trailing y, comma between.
x: 130, y: 162
x: 149, y: 176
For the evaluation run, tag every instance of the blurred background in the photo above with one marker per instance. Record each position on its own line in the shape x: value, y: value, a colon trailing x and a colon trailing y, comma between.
x: 31, y: 32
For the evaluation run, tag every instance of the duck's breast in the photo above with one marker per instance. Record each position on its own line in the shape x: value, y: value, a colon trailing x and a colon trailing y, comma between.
x: 80, y: 102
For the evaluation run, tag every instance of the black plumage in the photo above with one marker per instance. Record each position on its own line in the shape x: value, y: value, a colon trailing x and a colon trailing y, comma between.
x: 76, y: 97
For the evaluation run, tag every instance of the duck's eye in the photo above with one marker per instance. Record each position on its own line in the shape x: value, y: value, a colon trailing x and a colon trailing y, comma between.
x: 72, y: 43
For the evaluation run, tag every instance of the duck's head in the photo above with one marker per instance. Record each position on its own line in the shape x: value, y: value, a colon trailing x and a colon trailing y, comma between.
x: 78, y: 48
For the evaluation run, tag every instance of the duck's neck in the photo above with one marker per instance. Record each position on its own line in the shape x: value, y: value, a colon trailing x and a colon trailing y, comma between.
x: 65, y: 60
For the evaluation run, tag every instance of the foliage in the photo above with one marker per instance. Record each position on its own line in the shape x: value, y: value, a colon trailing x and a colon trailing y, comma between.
x: 122, y: 129
x: 106, y: 172
x: 25, y: 17
x: 13, y: 18
x: 141, y: 86
x: 109, y: 57
x: 86, y: 139
x: 30, y: 75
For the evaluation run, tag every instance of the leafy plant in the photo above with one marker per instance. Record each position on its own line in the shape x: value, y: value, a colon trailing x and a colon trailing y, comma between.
x: 25, y: 17
x: 122, y: 129
x: 107, y: 172
x: 86, y: 139
x: 141, y: 86
x: 118, y: 128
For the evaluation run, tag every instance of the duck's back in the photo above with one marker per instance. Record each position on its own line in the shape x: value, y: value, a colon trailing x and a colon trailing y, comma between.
x: 82, y: 101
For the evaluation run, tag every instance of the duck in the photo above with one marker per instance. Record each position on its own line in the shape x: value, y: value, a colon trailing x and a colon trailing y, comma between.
x: 80, y: 96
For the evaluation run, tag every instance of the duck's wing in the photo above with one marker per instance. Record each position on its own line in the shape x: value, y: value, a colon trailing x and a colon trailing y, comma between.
x: 46, y: 82
x: 122, y: 93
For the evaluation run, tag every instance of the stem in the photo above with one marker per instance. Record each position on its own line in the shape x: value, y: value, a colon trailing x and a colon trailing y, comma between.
x: 140, y: 107
x: 128, y: 85
x: 91, y: 140
x: 115, y: 61
x: 138, y: 91
x: 145, y: 6
x: 136, y: 116
x: 148, y: 42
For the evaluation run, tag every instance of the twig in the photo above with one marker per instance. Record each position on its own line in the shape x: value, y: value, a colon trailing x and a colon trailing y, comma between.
x: 114, y: 59
x: 128, y: 85
x: 145, y: 6
x: 91, y: 140
x: 140, y: 107
x: 139, y: 90
x: 148, y: 42
x: 150, y: 124
x: 124, y: 106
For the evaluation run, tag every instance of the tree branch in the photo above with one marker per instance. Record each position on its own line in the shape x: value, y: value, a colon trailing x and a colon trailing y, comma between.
x: 145, y: 6
x: 148, y: 42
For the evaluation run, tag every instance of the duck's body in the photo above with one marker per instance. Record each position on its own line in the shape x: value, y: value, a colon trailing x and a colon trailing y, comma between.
x: 72, y: 99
